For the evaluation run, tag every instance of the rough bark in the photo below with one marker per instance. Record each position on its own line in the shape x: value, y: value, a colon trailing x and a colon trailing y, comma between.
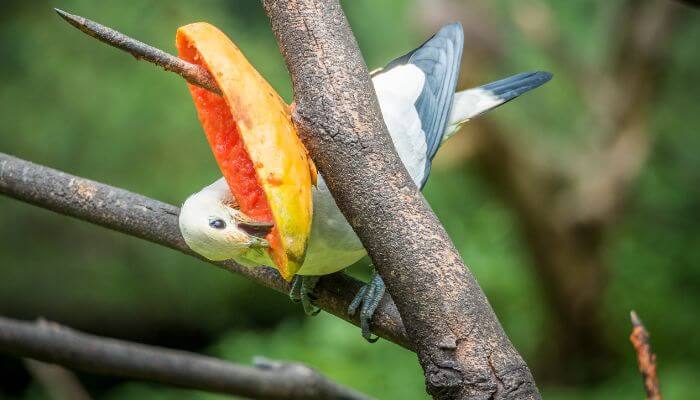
x: 461, y: 345
x: 270, y: 380
x: 156, y: 222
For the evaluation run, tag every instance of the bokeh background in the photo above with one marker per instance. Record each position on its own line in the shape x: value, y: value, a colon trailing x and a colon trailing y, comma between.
x: 572, y: 205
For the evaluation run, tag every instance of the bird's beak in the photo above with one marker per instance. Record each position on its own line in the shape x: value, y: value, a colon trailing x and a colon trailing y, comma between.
x: 255, y: 228
x: 257, y: 231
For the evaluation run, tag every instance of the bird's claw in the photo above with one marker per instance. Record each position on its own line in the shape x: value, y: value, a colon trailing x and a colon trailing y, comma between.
x: 367, y: 300
x: 302, y: 291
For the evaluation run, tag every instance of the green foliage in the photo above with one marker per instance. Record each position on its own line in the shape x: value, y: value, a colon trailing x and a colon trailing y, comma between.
x: 79, y: 106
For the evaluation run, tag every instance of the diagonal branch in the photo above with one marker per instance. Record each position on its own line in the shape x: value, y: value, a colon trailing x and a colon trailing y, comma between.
x: 57, y: 344
x: 460, y: 343
x: 156, y: 222
x: 193, y: 73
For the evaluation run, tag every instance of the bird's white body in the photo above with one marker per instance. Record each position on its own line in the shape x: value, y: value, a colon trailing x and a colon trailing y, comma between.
x: 334, y: 245
x: 420, y: 109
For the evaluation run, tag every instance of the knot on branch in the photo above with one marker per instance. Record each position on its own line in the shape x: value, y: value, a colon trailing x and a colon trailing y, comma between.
x: 443, y: 381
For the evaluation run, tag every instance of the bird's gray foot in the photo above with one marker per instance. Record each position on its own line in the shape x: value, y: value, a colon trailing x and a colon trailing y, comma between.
x: 368, y: 297
x: 302, y: 291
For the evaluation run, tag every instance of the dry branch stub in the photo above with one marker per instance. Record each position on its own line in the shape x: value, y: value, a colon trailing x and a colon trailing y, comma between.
x: 645, y: 357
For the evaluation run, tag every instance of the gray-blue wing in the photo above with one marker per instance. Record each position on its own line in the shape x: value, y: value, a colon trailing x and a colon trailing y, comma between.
x: 439, y: 58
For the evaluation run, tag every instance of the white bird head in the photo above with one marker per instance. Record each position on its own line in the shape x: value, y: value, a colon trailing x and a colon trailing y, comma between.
x: 212, y: 226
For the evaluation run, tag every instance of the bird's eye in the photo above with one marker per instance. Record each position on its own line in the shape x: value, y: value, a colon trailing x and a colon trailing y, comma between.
x: 217, y: 223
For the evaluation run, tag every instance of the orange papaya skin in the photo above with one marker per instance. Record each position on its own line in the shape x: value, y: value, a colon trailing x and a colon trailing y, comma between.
x: 254, y: 141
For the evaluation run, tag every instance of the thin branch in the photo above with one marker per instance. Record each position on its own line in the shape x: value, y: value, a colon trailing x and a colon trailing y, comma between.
x: 645, y: 357
x: 193, y: 73
x: 460, y: 343
x: 157, y: 222
x: 60, y: 345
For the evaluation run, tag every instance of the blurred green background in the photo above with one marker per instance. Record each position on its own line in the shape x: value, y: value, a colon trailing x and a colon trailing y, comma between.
x: 79, y: 106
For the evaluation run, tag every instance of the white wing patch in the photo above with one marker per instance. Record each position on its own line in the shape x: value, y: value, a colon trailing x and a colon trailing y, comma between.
x: 397, y: 91
x: 469, y: 104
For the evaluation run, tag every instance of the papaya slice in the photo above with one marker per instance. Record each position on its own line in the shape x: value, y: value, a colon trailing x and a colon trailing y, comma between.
x: 254, y: 142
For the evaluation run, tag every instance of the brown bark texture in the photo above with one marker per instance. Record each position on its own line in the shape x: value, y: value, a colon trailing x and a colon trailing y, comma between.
x: 460, y: 343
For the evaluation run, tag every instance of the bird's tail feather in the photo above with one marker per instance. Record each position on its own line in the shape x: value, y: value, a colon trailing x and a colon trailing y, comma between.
x: 474, y: 102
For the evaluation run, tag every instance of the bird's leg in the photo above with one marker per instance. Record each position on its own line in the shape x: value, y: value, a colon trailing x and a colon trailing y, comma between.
x: 302, y: 291
x: 369, y: 296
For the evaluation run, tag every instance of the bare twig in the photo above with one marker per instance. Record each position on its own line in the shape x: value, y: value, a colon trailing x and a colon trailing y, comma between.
x: 60, y: 345
x: 156, y: 222
x: 461, y: 346
x: 645, y: 357
x: 194, y: 74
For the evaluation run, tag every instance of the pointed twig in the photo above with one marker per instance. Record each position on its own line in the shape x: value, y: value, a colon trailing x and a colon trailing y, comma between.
x: 193, y: 73
x: 645, y: 357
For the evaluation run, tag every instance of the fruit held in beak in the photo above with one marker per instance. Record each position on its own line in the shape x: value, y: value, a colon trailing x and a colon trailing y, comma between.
x: 254, y: 142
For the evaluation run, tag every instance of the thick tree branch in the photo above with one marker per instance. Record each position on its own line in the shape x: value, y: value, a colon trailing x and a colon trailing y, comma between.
x: 156, y: 222
x: 57, y: 344
x: 461, y: 346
